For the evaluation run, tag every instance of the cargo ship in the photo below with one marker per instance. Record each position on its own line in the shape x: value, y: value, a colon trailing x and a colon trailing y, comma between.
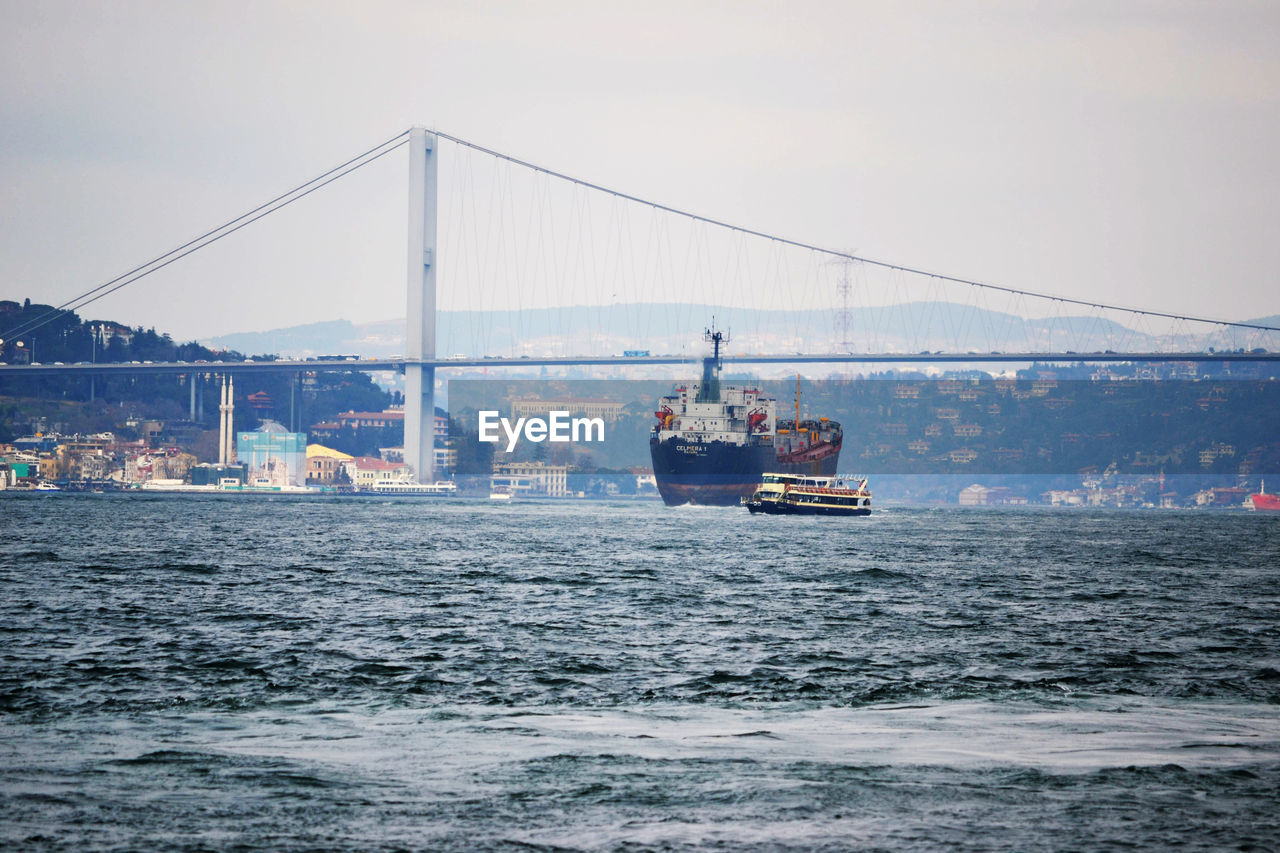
x: 807, y: 446
x: 711, y: 444
x: 1265, y: 502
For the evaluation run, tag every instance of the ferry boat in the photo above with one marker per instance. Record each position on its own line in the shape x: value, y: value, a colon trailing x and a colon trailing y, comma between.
x: 797, y: 494
x: 406, y: 486
x: 711, y: 444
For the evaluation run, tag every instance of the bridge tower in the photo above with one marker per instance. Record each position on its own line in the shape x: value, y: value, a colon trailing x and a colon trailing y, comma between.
x: 420, y: 334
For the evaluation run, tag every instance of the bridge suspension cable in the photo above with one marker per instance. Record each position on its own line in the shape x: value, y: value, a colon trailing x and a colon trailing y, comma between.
x: 212, y: 236
x: 847, y: 255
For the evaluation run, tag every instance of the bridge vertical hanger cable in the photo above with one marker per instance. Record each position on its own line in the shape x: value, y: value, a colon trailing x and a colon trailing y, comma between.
x: 985, y: 317
x: 493, y: 260
x: 831, y: 252
x: 965, y: 326
x: 512, y: 276
x: 627, y: 316
x: 605, y: 265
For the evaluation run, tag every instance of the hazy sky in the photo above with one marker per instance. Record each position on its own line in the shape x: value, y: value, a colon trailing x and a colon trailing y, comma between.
x: 1115, y: 151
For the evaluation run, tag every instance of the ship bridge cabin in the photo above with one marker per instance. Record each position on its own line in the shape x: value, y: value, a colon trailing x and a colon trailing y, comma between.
x: 808, y: 482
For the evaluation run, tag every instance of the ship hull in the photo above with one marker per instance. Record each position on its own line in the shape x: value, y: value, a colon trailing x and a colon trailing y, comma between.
x: 820, y: 460
x: 718, y: 473
x: 713, y: 473
x: 1266, y: 503
x: 783, y: 508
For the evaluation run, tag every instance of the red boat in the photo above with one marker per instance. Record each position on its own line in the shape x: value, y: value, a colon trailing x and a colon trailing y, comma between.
x: 1265, y: 502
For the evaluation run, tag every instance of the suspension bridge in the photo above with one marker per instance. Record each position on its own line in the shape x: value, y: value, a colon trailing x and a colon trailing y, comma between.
x: 518, y: 265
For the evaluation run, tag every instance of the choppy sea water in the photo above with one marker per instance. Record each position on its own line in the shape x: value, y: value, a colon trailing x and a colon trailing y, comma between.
x: 214, y: 673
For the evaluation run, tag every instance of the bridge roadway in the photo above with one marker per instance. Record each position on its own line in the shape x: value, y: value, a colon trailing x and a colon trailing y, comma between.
x: 372, y: 364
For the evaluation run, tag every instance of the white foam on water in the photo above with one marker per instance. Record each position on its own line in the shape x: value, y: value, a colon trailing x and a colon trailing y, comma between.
x: 1080, y: 738
x: 677, y: 775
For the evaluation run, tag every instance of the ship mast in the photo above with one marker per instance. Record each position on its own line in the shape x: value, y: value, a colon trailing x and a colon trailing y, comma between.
x: 797, y: 402
x: 709, y: 390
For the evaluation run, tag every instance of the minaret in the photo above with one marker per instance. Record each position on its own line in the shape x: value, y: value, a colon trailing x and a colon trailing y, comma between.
x: 231, y: 426
x: 226, y: 426
x: 222, y: 425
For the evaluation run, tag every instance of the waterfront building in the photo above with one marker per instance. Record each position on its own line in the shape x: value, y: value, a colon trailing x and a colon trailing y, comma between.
x: 272, y: 455
x: 207, y: 474
x: 324, y: 464
x: 531, y: 478
x: 166, y: 464
x: 364, y: 471
x: 446, y: 458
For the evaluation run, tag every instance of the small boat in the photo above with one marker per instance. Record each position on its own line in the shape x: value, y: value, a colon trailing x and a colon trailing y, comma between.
x: 45, y: 486
x: 797, y: 494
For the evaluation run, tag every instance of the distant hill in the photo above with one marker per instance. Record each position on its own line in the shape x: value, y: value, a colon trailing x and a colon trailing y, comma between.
x: 325, y: 338
x: 675, y: 328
